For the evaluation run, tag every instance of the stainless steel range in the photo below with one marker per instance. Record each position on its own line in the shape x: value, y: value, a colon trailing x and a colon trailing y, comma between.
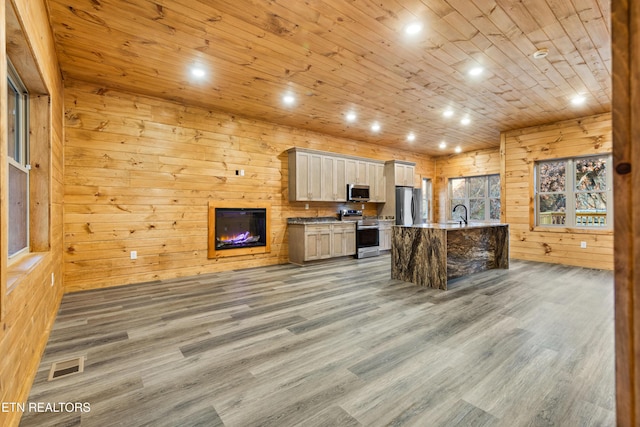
x: 367, y: 238
x: 367, y: 233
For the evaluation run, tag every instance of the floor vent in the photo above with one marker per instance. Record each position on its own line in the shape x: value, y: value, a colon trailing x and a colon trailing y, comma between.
x: 65, y: 368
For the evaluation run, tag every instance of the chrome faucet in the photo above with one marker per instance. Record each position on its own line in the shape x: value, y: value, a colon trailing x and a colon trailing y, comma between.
x: 465, y: 214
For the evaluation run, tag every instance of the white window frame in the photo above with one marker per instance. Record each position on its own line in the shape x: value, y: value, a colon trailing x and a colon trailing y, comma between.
x: 569, y: 218
x: 426, y: 192
x: 22, y: 151
x: 467, y: 199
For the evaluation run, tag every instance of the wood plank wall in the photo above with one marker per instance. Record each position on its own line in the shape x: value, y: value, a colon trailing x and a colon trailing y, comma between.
x: 523, y: 147
x: 625, y: 16
x: 472, y: 163
x: 139, y: 173
x: 29, y: 310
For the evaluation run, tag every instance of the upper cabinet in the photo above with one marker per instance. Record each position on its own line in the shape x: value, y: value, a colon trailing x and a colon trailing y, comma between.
x: 332, y: 179
x: 305, y: 169
x: 404, y: 173
x: 320, y: 176
x: 356, y: 171
x: 376, y: 181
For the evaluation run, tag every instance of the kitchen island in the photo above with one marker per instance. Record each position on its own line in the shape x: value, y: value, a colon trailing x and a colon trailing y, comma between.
x: 431, y: 254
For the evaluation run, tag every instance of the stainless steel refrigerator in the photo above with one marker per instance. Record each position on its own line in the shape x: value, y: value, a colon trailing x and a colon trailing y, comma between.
x: 408, y: 206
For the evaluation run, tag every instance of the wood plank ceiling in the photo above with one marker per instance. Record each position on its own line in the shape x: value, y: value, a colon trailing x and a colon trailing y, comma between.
x: 337, y: 56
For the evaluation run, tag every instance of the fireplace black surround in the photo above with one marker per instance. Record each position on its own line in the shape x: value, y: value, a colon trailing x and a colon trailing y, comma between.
x: 237, y: 229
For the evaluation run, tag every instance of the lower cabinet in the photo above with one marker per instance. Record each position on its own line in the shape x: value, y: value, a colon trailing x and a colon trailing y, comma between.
x: 385, y: 235
x: 308, y: 242
x: 317, y: 242
x: 343, y: 240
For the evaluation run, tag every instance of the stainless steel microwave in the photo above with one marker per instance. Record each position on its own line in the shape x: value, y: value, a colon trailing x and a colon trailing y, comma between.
x: 358, y: 193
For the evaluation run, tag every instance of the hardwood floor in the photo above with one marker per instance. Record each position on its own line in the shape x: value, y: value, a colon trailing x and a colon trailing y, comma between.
x: 338, y: 344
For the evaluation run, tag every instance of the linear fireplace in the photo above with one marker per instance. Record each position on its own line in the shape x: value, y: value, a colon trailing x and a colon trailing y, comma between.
x: 237, y: 230
x: 240, y: 227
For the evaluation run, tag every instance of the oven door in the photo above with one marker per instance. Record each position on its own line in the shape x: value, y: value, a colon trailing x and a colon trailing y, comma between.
x: 367, y: 237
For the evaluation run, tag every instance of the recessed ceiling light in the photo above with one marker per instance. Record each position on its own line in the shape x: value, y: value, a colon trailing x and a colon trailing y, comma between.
x: 411, y: 137
x: 476, y: 71
x: 465, y: 121
x: 197, y: 72
x: 448, y: 113
x: 375, y: 126
x: 351, y: 116
x: 578, y: 100
x: 443, y: 145
x: 458, y: 149
x: 413, y: 28
x: 541, y: 53
x: 289, y: 99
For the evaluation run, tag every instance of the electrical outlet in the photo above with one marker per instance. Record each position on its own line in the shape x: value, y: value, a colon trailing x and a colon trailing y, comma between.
x: 583, y: 245
x: 134, y: 254
x: 363, y: 206
x: 306, y: 205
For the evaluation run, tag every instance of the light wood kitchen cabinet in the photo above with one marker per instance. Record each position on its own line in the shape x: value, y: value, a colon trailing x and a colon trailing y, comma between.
x: 314, y: 241
x: 306, y: 170
x: 356, y: 171
x: 320, y: 176
x: 317, y: 242
x: 385, y: 235
x: 404, y: 174
x: 333, y: 179
x: 362, y: 172
x: 375, y: 175
x: 343, y: 239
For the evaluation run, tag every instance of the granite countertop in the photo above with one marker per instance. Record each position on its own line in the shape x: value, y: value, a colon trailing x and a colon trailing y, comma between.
x: 313, y: 220
x: 454, y: 226
x: 328, y: 219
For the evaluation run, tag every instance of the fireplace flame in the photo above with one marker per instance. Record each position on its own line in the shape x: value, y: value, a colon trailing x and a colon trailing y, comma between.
x: 238, y: 239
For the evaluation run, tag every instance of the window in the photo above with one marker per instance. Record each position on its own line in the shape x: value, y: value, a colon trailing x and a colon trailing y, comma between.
x: 18, y: 165
x: 574, y: 192
x: 479, y: 194
x: 425, y: 195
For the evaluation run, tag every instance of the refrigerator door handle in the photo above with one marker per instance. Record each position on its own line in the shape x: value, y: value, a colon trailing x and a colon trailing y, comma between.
x: 413, y: 210
x: 416, y: 206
